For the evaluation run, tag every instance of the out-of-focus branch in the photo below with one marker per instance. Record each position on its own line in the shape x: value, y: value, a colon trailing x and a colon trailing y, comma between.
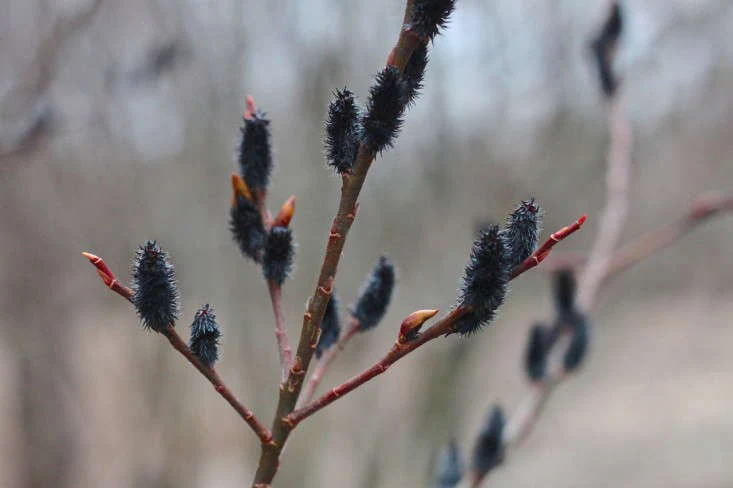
x: 179, y: 345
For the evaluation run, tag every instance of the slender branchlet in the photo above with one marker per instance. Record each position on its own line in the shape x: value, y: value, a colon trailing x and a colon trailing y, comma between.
x: 330, y: 326
x: 375, y: 294
x: 205, y: 335
x: 521, y: 231
x: 448, y: 467
x: 278, y: 259
x: 564, y: 288
x: 603, y: 49
x: 154, y: 290
x: 428, y: 17
x: 247, y: 228
x: 415, y: 72
x: 343, y: 131
x: 255, y: 153
x: 484, y: 282
x: 578, y: 347
x: 535, y: 356
x: 489, y: 448
x: 386, y: 105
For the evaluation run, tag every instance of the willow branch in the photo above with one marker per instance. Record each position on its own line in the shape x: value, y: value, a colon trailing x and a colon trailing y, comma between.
x: 283, y: 345
x: 325, y: 362
x: 442, y: 327
x: 179, y: 345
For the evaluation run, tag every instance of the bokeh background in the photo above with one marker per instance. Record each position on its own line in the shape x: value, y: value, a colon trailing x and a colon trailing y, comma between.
x: 118, y: 122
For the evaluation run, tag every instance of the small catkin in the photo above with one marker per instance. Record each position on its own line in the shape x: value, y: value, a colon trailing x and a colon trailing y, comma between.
x: 248, y: 232
x: 278, y: 259
x: 428, y: 17
x: 521, y: 231
x: 578, y: 347
x: 484, y: 282
x: 489, y: 448
x: 155, y: 294
x: 375, y: 294
x: 415, y: 72
x: 383, y: 119
x: 603, y: 47
x: 330, y: 326
x: 343, y: 131
x: 205, y: 336
x: 255, y: 153
x: 535, y: 357
x: 449, y: 467
x: 564, y: 288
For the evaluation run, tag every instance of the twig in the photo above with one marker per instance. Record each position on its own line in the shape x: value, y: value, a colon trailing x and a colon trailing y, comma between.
x: 284, y: 349
x: 179, y: 345
x: 325, y: 362
x: 442, y: 327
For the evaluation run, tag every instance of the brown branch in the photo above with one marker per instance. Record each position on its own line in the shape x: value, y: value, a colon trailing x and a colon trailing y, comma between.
x: 283, y: 345
x: 442, y: 327
x: 351, y: 187
x: 325, y: 362
x: 179, y: 345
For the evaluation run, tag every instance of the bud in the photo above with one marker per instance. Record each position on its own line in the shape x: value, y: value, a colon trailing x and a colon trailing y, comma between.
x: 278, y: 260
x: 578, y: 347
x: 410, y: 327
x: 535, y: 356
x: 343, y: 131
x: 154, y: 290
x: 247, y: 230
x: 375, y: 295
x: 428, y: 17
x: 255, y: 154
x: 489, y: 448
x: 449, y: 467
x: 484, y: 282
x: 603, y: 48
x: 521, y: 231
x: 239, y: 187
x: 385, y: 107
x: 414, y: 72
x: 564, y: 288
x: 205, y: 336
x: 330, y: 326
x: 285, y: 215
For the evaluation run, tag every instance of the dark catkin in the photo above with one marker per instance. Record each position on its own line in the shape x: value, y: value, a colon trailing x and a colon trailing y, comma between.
x: 484, y: 282
x: 428, y: 17
x: 343, y: 131
x: 255, y: 153
x: 603, y: 47
x: 375, y: 294
x: 414, y: 73
x: 578, y: 347
x: 383, y: 118
x: 535, y: 356
x: 330, y: 326
x: 448, y: 467
x: 248, y: 232
x: 205, y: 336
x: 521, y: 231
x: 563, y: 290
x: 154, y: 290
x: 489, y: 448
x: 278, y: 259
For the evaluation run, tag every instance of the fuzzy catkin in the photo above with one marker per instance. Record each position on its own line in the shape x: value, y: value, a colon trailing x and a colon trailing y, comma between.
x: 255, y: 153
x: 375, y: 294
x: 205, y: 336
x: 343, y: 131
x: 154, y: 289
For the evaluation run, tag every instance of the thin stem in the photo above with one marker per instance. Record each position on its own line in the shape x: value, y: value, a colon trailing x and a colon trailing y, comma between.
x: 179, y: 345
x: 325, y: 362
x: 283, y: 345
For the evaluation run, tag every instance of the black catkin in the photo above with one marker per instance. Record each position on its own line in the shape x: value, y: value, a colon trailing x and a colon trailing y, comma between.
x: 578, y: 347
x: 564, y: 288
x: 521, y: 231
x: 535, y: 356
x: 449, y: 467
x: 414, y: 73
x: 278, y: 259
x: 154, y: 290
x: 428, y: 17
x: 247, y: 229
x: 330, y: 326
x: 484, y: 282
x: 383, y: 118
x: 343, y: 131
x: 255, y: 153
x: 603, y: 47
x: 375, y: 294
x: 205, y: 336
x: 489, y: 448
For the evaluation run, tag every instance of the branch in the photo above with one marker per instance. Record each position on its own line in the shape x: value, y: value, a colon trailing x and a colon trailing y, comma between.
x: 179, y: 345
x: 443, y: 327
x: 325, y: 362
x: 286, y: 352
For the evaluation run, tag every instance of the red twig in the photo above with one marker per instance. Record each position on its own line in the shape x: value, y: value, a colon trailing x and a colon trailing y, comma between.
x: 283, y: 345
x: 179, y: 345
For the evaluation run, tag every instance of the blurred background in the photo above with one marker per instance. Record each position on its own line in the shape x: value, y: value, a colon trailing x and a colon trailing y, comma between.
x: 118, y: 123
